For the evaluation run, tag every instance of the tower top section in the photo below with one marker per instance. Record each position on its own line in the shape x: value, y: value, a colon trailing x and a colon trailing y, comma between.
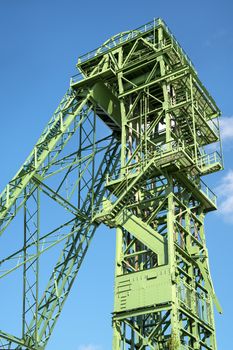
x: 147, y: 91
x: 122, y: 38
x: 149, y: 32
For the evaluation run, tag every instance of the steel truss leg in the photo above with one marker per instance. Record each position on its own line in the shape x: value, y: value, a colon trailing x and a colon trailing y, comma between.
x: 31, y: 268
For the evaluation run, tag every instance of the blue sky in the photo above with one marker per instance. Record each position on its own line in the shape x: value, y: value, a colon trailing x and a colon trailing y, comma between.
x: 40, y: 42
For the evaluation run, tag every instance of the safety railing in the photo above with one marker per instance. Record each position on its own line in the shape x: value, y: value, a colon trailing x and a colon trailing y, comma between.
x: 202, y: 187
x: 105, y: 204
x: 126, y: 36
x: 207, y: 192
x: 177, y: 45
x: 211, y: 123
x: 214, y: 126
x: 76, y: 78
x: 119, y: 39
x: 131, y: 170
x: 160, y: 150
x: 97, y: 70
x: 123, y: 172
x: 209, y: 159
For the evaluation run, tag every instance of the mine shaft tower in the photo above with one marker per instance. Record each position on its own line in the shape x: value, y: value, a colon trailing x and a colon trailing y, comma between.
x: 128, y: 147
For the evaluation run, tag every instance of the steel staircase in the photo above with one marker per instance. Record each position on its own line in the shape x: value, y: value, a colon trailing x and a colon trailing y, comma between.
x: 125, y: 192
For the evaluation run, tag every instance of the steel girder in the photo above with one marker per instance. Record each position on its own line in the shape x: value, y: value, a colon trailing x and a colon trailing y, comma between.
x: 144, y: 179
x: 72, y: 176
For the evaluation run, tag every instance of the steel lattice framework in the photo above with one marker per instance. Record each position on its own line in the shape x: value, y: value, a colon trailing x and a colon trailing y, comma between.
x: 142, y: 177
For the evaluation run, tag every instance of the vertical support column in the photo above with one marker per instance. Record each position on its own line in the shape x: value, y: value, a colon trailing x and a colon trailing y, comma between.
x: 85, y: 185
x: 31, y: 267
x: 140, y: 322
x: 191, y: 282
x: 193, y: 118
x: 165, y: 93
x: 172, y: 264
x: 116, y: 345
x: 93, y: 162
x: 123, y: 113
x: 213, y: 342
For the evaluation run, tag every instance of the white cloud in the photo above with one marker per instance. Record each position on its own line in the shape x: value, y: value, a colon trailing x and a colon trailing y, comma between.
x: 89, y: 347
x: 225, y: 193
x: 226, y: 128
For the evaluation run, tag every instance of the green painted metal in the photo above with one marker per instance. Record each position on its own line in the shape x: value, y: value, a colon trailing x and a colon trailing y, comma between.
x: 144, y: 179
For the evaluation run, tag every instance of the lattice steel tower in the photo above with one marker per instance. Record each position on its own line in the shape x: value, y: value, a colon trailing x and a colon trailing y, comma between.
x: 127, y: 147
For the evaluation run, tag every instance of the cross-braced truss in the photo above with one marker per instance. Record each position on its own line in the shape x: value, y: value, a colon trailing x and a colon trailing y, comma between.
x: 126, y: 147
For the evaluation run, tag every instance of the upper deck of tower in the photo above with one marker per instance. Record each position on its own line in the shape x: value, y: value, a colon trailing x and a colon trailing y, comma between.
x: 148, y: 31
x: 167, y: 99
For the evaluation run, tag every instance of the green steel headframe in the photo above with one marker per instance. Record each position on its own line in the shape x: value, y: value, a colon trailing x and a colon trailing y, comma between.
x: 127, y: 146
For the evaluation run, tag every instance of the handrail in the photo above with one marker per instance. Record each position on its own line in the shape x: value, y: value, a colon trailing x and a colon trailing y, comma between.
x: 133, y: 168
x: 179, y: 48
x: 207, y: 191
x: 209, y: 159
x: 213, y: 126
x: 160, y: 152
x: 76, y: 78
x: 124, y: 37
x: 201, y: 185
x: 80, y: 76
x: 119, y: 39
